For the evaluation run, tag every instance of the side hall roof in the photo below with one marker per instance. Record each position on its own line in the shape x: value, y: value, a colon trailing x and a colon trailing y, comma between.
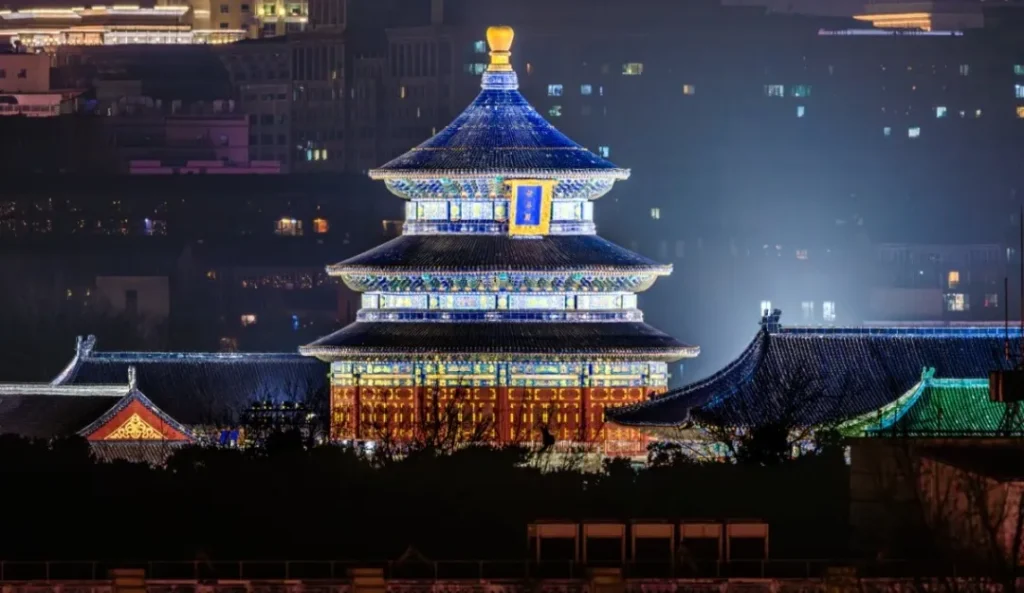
x: 202, y: 388
x: 808, y: 376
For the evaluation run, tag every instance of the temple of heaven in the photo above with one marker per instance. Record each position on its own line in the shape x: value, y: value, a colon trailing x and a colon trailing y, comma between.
x: 498, y: 307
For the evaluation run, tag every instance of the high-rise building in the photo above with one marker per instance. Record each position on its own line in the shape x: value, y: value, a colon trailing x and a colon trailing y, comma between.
x: 498, y: 313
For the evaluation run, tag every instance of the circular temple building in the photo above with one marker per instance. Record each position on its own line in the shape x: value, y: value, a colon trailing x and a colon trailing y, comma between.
x: 498, y: 314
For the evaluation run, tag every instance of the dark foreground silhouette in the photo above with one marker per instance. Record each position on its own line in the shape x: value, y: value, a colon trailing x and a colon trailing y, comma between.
x: 288, y: 501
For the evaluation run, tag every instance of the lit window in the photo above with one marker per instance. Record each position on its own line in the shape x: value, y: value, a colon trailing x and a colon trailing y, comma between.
x: 957, y: 301
x: 476, y: 68
x: 289, y: 227
x: 1020, y: 112
x: 940, y: 111
x: 807, y: 308
x: 801, y: 254
x: 828, y: 311
x: 555, y: 111
x: 401, y: 92
x: 586, y: 89
x: 977, y: 113
x: 656, y: 213
x: 953, y: 278
x: 324, y: 154
x: 766, y: 307
x: 554, y: 90
x: 1018, y: 69
x: 800, y: 110
x: 480, y: 47
x: 887, y: 131
x: 604, y: 151
x: 632, y: 69
x: 689, y: 89
x: 211, y: 274
x: 775, y: 90
x: 320, y: 226
x: 529, y: 68
x: 1018, y: 91
x: 248, y: 319
x: 991, y: 301
x: 800, y: 90
x: 914, y: 132
x: 965, y: 69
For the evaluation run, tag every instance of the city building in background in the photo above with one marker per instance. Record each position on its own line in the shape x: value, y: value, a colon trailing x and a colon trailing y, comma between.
x: 52, y: 28
x: 498, y: 313
x: 839, y: 137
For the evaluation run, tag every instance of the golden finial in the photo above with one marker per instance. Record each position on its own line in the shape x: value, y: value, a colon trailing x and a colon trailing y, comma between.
x: 500, y: 41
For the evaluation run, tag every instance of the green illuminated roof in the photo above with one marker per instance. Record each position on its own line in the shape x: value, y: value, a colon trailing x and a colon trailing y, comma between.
x: 939, y: 408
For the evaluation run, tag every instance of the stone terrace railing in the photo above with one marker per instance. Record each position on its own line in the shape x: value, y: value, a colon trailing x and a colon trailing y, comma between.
x: 770, y: 576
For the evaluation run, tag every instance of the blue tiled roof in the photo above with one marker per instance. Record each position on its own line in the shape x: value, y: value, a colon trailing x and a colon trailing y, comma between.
x: 474, y: 253
x: 618, y: 340
x: 203, y: 388
x: 499, y: 134
x: 816, y: 375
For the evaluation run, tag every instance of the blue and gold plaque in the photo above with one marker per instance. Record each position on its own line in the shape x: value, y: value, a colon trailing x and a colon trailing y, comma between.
x: 530, y: 206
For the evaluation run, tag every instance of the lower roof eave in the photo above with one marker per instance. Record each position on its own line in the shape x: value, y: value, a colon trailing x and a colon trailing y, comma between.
x: 334, y: 353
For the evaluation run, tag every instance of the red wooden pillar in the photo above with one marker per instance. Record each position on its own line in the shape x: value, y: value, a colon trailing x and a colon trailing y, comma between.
x: 357, y: 419
x: 503, y: 413
x: 585, y: 412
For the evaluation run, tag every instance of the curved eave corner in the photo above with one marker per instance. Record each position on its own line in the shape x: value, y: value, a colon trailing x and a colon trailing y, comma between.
x: 386, y: 174
x: 674, y: 408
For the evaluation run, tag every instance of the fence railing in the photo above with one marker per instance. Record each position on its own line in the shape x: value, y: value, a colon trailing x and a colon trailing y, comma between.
x: 475, y: 570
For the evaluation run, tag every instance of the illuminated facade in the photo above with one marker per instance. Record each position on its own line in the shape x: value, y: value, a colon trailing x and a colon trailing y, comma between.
x: 112, y: 25
x: 498, y: 311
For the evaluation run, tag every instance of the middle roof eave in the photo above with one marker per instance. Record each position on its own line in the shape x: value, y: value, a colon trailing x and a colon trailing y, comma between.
x: 501, y: 253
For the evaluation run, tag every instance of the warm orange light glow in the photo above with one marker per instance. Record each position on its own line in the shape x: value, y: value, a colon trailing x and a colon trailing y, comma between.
x: 899, y: 20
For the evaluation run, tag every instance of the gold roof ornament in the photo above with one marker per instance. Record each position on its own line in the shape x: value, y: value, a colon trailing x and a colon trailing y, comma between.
x: 499, y: 39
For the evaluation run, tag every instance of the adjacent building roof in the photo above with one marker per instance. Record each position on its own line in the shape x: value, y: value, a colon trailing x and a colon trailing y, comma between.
x: 940, y: 407
x: 610, y: 340
x: 499, y: 134
x: 202, y: 388
x: 41, y: 411
x: 819, y: 375
x: 412, y: 254
x: 96, y: 412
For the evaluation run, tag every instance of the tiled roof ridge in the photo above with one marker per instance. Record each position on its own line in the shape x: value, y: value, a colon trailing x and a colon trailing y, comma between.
x: 923, y: 330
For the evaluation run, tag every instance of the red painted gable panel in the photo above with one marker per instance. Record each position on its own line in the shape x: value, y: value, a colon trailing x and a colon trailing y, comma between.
x: 134, y: 407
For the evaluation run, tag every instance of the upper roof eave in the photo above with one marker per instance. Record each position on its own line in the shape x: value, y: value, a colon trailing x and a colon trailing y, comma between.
x: 343, y: 269
x: 382, y: 174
